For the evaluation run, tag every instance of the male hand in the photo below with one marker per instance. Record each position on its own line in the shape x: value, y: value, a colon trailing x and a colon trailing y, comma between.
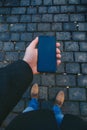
x: 31, y: 55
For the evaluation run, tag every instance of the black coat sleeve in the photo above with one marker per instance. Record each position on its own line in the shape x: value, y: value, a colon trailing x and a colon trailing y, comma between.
x: 14, y: 80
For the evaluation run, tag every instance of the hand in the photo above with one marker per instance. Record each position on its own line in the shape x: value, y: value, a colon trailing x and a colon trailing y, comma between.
x: 31, y: 55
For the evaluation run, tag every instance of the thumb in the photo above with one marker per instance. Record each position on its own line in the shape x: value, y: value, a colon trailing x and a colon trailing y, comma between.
x: 34, y: 42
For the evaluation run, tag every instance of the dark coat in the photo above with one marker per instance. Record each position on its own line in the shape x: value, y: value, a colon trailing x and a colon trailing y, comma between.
x: 14, y: 80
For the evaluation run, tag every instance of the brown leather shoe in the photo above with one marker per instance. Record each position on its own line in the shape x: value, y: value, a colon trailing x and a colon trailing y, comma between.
x: 60, y: 98
x: 35, y: 91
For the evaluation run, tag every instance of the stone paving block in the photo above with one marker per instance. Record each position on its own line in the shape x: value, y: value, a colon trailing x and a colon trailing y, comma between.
x: 5, y: 11
x: 79, y: 36
x: 43, y: 9
x: 73, y: 68
x: 65, y: 80
x: 36, y: 2
x: 48, y: 80
x: 69, y: 27
x: 57, y: 26
x: 82, y: 80
x: 36, y: 18
x: 25, y: 18
x: 47, y: 18
x: 74, y: 1
x: 11, y: 56
x: 54, y: 90
x: 8, y: 46
x: 63, y: 36
x: 47, y: 2
x: 43, y: 93
x: 67, y: 57
x: 82, y: 26
x: 21, y: 54
x: 2, y: 18
x: 1, y: 56
x: 83, y: 46
x: 37, y: 79
x: 47, y: 105
x: 4, y: 36
x: 53, y: 9
x: 83, y: 108
x: 19, y: 107
x: 17, y: 27
x: 1, y: 46
x: 44, y: 27
x: 25, y: 2
x: 67, y: 9
x: 31, y: 27
x: 77, y: 94
x: 26, y: 94
x: 59, y: 2
x: 84, y: 68
x: 11, y: 2
x: 3, y: 27
x: 18, y: 10
x: 80, y: 57
x: 60, y: 68
x: 71, y: 46
x: 31, y: 10
x: 12, y: 19
x: 26, y: 36
x: 81, y: 9
x: 77, y: 17
x: 15, y: 36
x: 61, y: 18
x: 71, y: 108
x: 20, y: 46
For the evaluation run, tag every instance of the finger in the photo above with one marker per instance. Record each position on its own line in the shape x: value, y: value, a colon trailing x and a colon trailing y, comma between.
x: 58, y: 56
x: 57, y: 44
x: 34, y: 42
x: 58, y: 50
x: 58, y: 62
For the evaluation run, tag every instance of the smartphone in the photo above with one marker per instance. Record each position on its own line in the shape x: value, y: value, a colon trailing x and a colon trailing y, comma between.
x: 46, y: 54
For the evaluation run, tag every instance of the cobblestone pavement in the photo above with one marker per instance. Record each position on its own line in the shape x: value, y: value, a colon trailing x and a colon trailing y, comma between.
x: 23, y: 20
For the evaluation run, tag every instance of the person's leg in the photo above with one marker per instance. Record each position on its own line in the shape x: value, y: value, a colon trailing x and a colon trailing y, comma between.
x: 58, y: 114
x: 33, y: 103
x: 57, y: 107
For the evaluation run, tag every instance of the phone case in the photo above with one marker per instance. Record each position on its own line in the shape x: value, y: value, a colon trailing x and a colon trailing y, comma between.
x: 46, y: 54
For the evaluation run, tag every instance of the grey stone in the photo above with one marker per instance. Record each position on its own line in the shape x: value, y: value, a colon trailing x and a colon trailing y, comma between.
x: 77, y: 94
x: 84, y: 68
x: 65, y: 80
x: 71, y: 46
x: 61, y: 17
x: 79, y: 36
x: 83, y: 108
x: 83, y: 46
x: 82, y: 80
x: 48, y: 80
x: 8, y: 46
x: 67, y: 57
x: 63, y: 36
x: 80, y: 57
x: 73, y: 68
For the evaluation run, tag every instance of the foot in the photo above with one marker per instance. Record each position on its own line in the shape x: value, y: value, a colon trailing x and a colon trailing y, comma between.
x: 35, y: 91
x: 60, y: 98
